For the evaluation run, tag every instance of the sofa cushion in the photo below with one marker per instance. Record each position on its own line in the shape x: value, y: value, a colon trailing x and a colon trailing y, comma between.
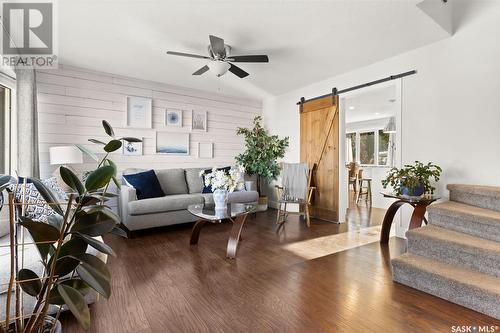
x: 164, y: 204
x: 146, y: 184
x: 172, y: 181
x: 194, y: 180
x: 244, y: 196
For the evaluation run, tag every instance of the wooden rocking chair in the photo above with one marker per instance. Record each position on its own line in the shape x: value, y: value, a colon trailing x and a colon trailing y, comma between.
x: 303, y: 202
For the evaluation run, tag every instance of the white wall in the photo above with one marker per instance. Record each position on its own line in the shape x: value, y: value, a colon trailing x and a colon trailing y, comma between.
x: 451, y: 107
x: 73, y: 101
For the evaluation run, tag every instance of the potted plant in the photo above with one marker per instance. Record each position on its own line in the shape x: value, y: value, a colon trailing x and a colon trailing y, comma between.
x: 222, y: 183
x: 69, y: 271
x: 261, y: 155
x: 413, y: 180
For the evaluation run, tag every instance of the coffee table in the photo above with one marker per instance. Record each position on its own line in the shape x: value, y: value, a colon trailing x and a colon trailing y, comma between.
x: 235, y: 212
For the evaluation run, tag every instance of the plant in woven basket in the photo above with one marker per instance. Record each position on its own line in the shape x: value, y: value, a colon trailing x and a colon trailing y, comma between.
x: 70, y: 272
x: 413, y: 179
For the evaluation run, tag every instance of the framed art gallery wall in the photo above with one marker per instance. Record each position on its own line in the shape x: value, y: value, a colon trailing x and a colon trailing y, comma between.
x: 72, y: 102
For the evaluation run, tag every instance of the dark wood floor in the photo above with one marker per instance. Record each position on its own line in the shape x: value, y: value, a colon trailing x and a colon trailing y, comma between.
x: 161, y: 284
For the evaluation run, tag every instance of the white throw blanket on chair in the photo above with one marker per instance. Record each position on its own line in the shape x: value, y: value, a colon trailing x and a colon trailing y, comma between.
x: 295, y: 181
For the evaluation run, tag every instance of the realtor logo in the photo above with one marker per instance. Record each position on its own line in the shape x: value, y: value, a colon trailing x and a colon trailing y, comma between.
x: 28, y: 34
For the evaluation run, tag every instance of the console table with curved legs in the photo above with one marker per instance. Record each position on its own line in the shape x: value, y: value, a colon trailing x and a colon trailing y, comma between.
x: 419, y: 205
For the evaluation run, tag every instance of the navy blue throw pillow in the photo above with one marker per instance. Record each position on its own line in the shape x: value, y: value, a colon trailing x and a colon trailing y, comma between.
x: 146, y: 184
x: 208, y: 189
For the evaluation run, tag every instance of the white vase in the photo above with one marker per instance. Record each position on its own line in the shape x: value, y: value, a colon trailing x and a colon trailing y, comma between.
x: 220, y: 199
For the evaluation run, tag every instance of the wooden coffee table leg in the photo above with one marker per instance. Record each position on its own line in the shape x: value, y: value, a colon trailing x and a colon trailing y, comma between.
x: 388, y: 218
x: 418, y: 216
x: 234, y: 237
x: 195, y: 233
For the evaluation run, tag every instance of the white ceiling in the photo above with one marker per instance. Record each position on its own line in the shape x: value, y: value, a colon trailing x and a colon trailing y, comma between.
x: 371, y: 104
x: 306, y: 41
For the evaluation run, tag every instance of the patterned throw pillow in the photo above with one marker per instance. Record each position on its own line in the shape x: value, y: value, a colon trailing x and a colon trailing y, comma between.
x: 37, y: 209
x: 53, y: 184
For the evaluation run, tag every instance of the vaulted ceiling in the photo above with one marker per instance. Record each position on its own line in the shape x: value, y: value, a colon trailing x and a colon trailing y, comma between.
x: 306, y: 41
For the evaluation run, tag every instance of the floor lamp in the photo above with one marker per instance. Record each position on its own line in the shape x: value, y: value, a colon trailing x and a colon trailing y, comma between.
x: 64, y: 155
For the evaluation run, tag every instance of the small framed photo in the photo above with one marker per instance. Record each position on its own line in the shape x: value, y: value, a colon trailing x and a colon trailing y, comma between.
x: 205, y: 150
x: 173, y: 117
x: 199, y: 121
x: 172, y: 143
x: 139, y: 112
x: 132, y: 148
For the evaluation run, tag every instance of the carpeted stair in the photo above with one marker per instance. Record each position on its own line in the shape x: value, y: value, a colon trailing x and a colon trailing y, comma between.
x: 457, y: 256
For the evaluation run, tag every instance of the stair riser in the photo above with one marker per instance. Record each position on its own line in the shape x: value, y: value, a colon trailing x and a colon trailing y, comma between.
x: 483, y: 261
x: 466, y: 226
x: 453, y: 291
x: 477, y: 200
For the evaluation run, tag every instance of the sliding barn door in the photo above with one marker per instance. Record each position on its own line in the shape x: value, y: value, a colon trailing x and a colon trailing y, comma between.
x: 319, y: 145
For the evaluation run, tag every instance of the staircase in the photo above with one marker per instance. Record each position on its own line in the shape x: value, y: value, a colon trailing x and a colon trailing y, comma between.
x: 457, y: 256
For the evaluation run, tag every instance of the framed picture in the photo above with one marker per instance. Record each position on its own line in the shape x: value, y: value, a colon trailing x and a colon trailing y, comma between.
x: 132, y: 148
x: 139, y: 112
x: 173, y: 117
x: 199, y: 121
x: 172, y: 143
x: 205, y: 150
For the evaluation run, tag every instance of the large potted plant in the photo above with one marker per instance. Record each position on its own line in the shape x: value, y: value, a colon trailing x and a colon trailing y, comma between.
x: 261, y: 155
x: 413, y: 179
x: 69, y: 271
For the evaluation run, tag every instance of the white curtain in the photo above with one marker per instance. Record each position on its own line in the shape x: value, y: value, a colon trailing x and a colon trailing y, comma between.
x: 27, y: 124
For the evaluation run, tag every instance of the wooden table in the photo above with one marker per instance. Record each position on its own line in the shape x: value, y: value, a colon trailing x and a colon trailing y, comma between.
x: 419, y: 205
x: 235, y: 212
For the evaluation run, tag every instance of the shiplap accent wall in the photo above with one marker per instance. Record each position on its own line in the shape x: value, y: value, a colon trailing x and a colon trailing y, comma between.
x: 73, y: 101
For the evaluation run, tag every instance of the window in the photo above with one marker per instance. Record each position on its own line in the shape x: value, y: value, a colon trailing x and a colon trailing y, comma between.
x: 372, y: 147
x: 350, y: 147
x: 367, y: 148
x: 5, y: 129
x: 384, y: 145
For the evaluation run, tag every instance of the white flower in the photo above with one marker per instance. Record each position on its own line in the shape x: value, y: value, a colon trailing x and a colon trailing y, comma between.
x: 222, y: 180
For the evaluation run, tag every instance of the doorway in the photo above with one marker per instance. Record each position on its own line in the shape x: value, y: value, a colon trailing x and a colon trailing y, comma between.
x: 370, y: 141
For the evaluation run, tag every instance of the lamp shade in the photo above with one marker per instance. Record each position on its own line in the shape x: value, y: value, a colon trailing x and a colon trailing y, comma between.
x: 65, y: 155
x: 391, y: 126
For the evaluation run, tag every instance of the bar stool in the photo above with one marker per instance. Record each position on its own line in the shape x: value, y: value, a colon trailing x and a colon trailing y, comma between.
x: 365, y: 191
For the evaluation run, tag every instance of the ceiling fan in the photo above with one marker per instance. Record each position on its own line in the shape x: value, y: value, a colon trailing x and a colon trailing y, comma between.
x: 220, y: 61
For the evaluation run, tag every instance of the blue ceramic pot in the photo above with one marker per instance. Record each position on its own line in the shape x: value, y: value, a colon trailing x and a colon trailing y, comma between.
x: 418, y: 190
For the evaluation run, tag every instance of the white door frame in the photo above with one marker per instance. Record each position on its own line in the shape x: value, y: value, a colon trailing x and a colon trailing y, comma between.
x: 343, y: 173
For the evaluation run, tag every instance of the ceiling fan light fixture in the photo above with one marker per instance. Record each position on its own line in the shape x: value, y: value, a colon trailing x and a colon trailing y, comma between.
x: 219, y: 67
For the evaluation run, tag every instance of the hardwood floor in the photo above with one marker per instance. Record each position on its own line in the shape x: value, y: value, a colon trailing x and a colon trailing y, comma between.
x: 161, y: 284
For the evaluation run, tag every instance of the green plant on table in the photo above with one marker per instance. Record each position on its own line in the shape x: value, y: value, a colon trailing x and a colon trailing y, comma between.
x: 262, y: 152
x: 411, y: 176
x: 69, y: 272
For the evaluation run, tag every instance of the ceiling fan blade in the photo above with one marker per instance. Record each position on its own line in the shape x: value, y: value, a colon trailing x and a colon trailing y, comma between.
x: 187, y: 55
x: 238, y: 71
x: 217, y: 45
x: 249, y: 58
x: 201, y: 70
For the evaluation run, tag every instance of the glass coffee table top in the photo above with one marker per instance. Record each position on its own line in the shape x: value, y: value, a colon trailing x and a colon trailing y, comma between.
x: 208, y: 212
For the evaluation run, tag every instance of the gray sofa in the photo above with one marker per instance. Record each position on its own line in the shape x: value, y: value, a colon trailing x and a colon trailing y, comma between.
x: 182, y: 187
